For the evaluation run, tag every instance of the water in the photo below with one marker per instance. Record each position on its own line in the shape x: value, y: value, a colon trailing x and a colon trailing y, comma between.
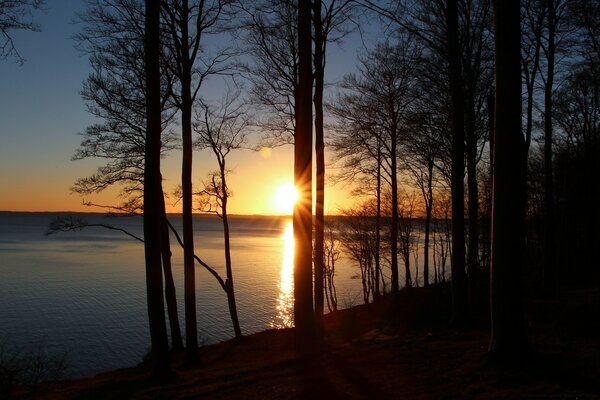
x: 84, y: 292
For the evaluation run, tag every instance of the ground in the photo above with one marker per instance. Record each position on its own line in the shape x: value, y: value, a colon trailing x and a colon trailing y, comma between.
x: 401, y: 348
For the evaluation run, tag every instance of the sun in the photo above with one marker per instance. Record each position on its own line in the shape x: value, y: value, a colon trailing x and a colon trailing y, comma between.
x: 285, y: 197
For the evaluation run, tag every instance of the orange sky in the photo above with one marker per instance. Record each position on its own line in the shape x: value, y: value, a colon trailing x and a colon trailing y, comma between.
x: 255, y: 181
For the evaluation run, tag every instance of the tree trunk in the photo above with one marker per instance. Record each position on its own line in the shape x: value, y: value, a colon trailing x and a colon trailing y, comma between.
x: 459, y: 287
x: 508, y: 339
x: 191, y: 328
x: 302, y: 219
x: 320, y: 159
x: 473, y: 196
x: 394, y: 225
x: 170, y: 292
x: 550, y: 275
x: 377, y: 293
x: 229, y: 283
x: 152, y: 214
x: 428, y: 210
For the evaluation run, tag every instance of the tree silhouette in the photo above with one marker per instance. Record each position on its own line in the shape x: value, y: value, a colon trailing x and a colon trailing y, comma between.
x: 222, y: 129
x: 508, y: 341
x: 115, y: 92
x: 152, y: 194
x: 302, y: 219
x: 187, y: 24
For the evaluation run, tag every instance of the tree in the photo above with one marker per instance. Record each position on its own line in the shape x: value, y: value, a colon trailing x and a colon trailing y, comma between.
x: 115, y: 92
x: 356, y: 236
x: 152, y: 193
x: 334, y: 16
x: 459, y: 291
x: 302, y: 219
x: 375, y: 109
x: 222, y: 130
x: 508, y: 341
x: 332, y: 255
x: 555, y: 15
x: 187, y: 24
x: 16, y: 15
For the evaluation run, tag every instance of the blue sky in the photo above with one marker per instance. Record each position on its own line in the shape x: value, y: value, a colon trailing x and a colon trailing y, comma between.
x: 41, y: 113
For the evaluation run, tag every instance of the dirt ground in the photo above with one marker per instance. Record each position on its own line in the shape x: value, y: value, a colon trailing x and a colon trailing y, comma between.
x: 398, y: 349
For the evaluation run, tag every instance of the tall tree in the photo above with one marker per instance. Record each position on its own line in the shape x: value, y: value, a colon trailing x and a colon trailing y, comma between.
x: 187, y: 25
x: 152, y: 194
x: 374, y: 121
x: 222, y: 129
x: 16, y: 15
x: 459, y: 291
x: 115, y: 92
x: 508, y: 341
x: 554, y: 10
x: 302, y: 219
x: 326, y: 19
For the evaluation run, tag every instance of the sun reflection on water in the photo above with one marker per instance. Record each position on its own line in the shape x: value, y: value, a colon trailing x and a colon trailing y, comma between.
x: 285, y: 301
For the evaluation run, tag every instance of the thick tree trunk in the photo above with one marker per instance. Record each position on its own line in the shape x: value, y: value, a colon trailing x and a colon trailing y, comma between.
x: 459, y: 287
x: 320, y: 159
x: 152, y: 193
x: 508, y: 340
x: 170, y: 292
x: 191, y: 328
x: 302, y: 219
x: 550, y: 276
x: 229, y: 283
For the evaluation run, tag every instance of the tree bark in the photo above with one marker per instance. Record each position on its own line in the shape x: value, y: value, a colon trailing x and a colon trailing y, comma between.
x: 320, y: 159
x: 459, y: 287
x: 550, y: 275
x: 394, y: 205
x: 302, y: 218
x: 191, y: 328
x: 152, y: 214
x: 508, y: 339
x: 472, y: 195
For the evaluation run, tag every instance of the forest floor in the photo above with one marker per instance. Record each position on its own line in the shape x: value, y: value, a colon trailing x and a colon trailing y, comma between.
x: 398, y: 348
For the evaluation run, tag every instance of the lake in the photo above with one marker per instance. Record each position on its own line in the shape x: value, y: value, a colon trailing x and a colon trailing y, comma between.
x: 84, y: 292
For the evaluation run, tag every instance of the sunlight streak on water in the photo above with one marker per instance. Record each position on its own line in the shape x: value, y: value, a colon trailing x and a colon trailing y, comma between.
x: 285, y: 301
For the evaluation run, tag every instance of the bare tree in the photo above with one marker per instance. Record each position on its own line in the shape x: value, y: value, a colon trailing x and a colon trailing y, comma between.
x: 508, y: 341
x: 222, y: 129
x: 356, y: 237
x: 16, y: 15
x: 187, y: 24
x: 302, y: 219
x: 327, y: 16
x: 377, y: 103
x: 555, y: 17
x: 406, y: 208
x: 115, y: 92
x: 332, y: 255
x: 152, y: 193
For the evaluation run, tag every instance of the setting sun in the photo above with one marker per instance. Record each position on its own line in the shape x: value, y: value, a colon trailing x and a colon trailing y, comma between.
x: 285, y: 197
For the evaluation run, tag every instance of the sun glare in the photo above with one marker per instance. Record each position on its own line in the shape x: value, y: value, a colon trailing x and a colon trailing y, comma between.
x: 284, y: 200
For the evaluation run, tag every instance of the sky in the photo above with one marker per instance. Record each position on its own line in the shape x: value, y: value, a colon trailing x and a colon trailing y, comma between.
x: 42, y: 114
